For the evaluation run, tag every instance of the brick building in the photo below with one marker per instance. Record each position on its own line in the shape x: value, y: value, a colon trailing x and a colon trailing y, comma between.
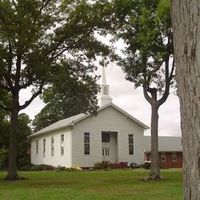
x: 170, y: 151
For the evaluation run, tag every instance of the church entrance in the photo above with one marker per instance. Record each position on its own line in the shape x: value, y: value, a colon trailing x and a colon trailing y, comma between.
x: 109, y: 146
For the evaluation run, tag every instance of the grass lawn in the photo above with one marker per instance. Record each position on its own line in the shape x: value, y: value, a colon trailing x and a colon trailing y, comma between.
x: 93, y: 185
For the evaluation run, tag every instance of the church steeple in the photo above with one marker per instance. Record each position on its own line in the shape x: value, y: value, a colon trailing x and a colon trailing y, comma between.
x: 104, y: 95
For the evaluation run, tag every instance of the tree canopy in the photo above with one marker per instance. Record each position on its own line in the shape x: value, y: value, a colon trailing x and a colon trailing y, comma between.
x: 34, y: 36
x: 145, y: 27
x: 66, y: 98
x: 40, y: 38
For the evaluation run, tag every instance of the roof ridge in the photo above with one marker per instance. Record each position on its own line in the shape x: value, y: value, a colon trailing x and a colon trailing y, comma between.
x: 79, y: 117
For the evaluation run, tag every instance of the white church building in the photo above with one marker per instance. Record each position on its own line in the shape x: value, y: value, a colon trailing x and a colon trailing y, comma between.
x: 84, y: 139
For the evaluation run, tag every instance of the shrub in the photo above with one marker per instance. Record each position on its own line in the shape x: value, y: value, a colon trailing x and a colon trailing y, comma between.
x: 42, y: 167
x: 107, y: 165
x: 101, y: 165
x: 120, y: 165
x: 3, y: 158
x: 72, y: 169
x: 27, y: 167
x: 59, y: 168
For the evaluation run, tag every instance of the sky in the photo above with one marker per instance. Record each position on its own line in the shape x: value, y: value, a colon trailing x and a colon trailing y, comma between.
x: 129, y: 99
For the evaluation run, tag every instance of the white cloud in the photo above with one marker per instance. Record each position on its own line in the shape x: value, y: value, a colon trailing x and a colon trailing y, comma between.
x: 35, y: 107
x: 131, y: 100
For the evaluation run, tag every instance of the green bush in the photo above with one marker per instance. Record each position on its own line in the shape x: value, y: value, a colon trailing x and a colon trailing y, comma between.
x: 72, y: 169
x: 42, y: 167
x: 59, y: 168
x: 109, y: 165
x: 101, y: 165
x: 27, y: 167
x: 3, y: 158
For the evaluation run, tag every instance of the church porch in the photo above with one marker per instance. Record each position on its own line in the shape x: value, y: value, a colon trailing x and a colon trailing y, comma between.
x: 109, y: 146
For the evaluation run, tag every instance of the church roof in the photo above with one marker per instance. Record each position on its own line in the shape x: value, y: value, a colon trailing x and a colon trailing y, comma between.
x: 77, y: 118
x: 165, y: 144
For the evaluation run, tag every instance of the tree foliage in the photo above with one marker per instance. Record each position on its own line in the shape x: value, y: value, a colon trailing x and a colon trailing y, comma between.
x: 23, y: 146
x: 34, y: 37
x: 38, y: 39
x: 66, y: 98
x: 145, y: 27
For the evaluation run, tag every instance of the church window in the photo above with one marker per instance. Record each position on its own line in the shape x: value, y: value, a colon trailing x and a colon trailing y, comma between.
x: 44, y: 147
x: 62, y: 144
x: 86, y: 143
x: 106, y: 151
x: 174, y: 157
x: 163, y: 157
x: 131, y: 144
x: 105, y: 137
x: 105, y: 91
x: 36, y: 146
x: 52, y: 146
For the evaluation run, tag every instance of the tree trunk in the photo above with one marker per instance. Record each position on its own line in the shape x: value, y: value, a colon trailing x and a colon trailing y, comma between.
x: 186, y: 26
x: 12, y: 167
x: 155, y: 162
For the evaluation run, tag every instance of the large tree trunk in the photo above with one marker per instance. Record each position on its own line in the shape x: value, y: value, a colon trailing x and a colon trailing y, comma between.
x: 186, y: 24
x: 155, y: 104
x: 155, y: 162
x: 12, y: 167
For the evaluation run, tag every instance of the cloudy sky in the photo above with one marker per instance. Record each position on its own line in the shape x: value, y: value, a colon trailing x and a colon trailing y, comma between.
x: 131, y: 100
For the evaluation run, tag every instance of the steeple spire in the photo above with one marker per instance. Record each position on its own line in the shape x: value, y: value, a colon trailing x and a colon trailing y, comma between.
x: 104, y: 96
x: 103, y: 76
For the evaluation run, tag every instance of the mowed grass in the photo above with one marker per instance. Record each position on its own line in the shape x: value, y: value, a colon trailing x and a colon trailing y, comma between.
x: 92, y: 185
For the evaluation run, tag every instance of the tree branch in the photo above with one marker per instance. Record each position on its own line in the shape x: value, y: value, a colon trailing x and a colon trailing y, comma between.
x: 168, y: 79
x: 147, y: 97
x: 27, y: 84
x: 71, y: 45
x: 18, y: 70
x: 168, y: 76
x: 172, y: 70
x: 10, y: 61
x: 156, y: 68
x: 8, y: 80
x: 27, y: 103
x: 14, y: 3
x: 29, y: 81
x: 44, y: 5
x: 7, y: 75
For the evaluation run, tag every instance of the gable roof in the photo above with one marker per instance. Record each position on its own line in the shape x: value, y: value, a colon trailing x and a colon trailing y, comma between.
x: 77, y: 118
x: 165, y: 143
